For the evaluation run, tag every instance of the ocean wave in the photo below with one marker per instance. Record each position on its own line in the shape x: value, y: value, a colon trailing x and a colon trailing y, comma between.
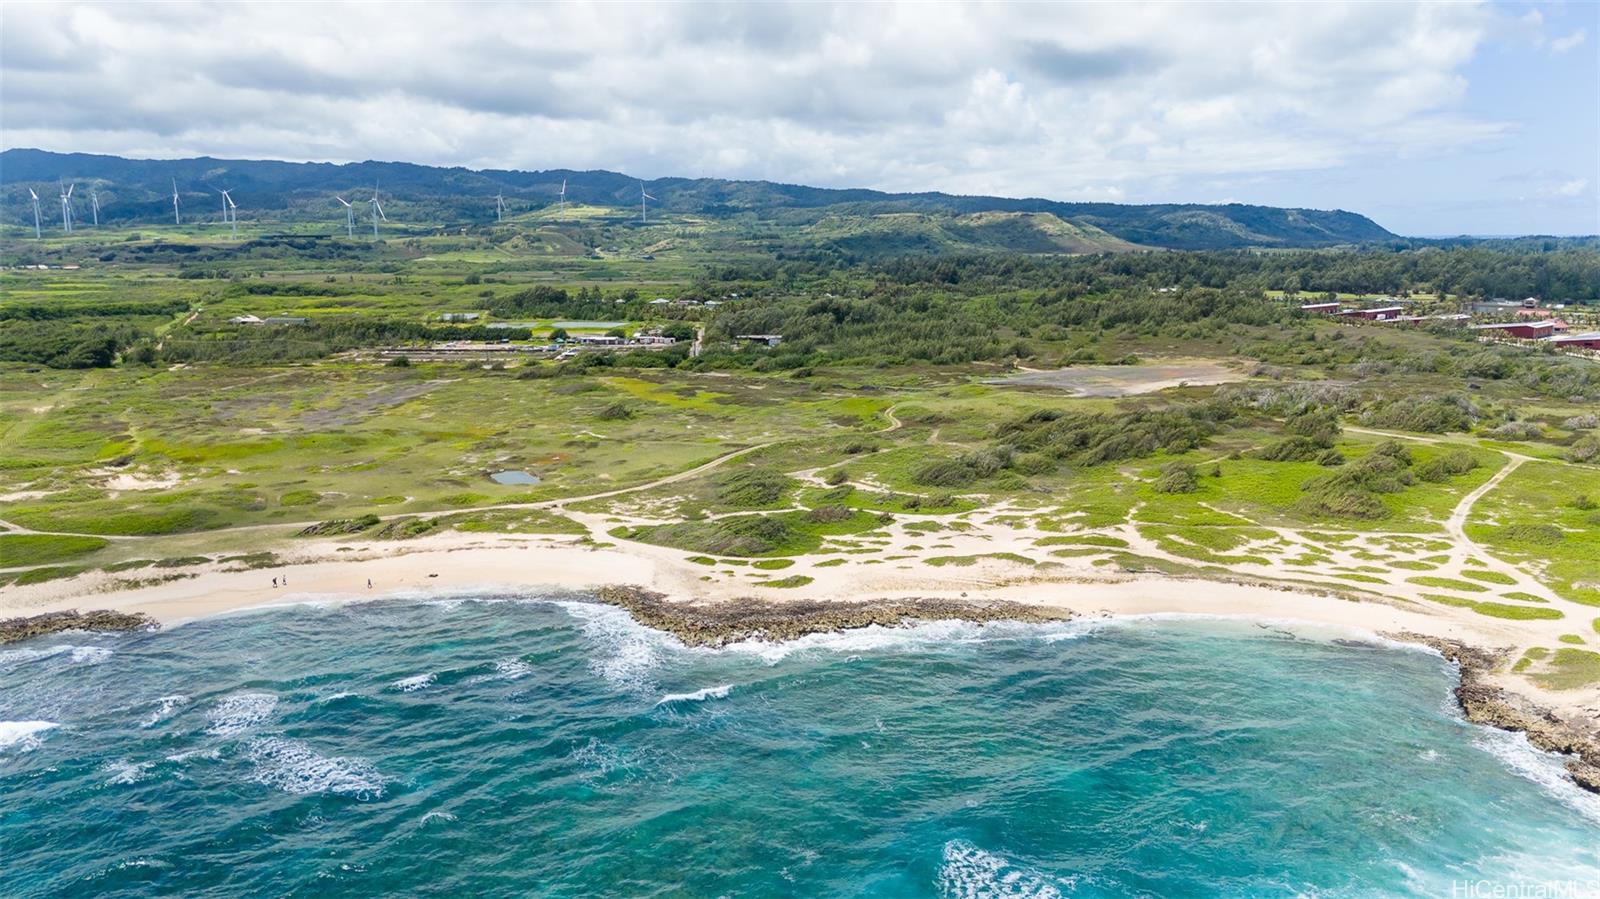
x: 1542, y: 768
x: 696, y: 696
x: 628, y: 652
x: 294, y: 767
x: 123, y: 771
x: 240, y: 713
x: 968, y: 872
x: 90, y: 655
x: 921, y: 636
x: 211, y: 754
x: 23, y: 736
x: 164, y: 708
x: 414, y: 683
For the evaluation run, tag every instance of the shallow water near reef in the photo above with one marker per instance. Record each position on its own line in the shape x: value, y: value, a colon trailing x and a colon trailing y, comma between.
x: 546, y: 745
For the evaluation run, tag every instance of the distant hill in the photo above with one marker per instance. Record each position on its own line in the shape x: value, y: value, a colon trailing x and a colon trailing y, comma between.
x: 866, y: 221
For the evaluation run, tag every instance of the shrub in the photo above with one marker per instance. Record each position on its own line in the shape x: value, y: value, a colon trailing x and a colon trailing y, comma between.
x: 1330, y: 458
x: 836, y: 477
x: 1176, y: 477
x: 1516, y: 430
x: 752, y: 488
x: 1291, y: 449
x: 1441, y: 468
x: 1538, y: 534
x: 1582, y: 422
x: 1585, y: 450
x: 829, y: 514
x: 399, y: 362
x: 617, y: 411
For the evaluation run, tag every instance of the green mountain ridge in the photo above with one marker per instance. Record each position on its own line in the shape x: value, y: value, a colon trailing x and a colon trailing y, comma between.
x: 854, y: 221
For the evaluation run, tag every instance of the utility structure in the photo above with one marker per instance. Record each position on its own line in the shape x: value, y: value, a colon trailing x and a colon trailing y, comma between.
x: 66, y: 208
x: 499, y: 208
x: 377, y: 211
x: 176, y: 218
x: 644, y: 217
x: 230, y: 212
x: 37, y: 233
x: 94, y: 206
x: 349, y: 216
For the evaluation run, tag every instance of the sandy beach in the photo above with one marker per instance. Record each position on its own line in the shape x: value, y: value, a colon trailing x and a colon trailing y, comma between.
x: 331, y: 571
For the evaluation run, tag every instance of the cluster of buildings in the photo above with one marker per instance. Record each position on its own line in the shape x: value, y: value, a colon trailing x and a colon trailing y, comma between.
x: 1532, y: 321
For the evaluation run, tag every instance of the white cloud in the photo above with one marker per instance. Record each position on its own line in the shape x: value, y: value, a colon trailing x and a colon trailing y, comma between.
x: 1573, y: 188
x: 1563, y: 44
x: 1069, y: 100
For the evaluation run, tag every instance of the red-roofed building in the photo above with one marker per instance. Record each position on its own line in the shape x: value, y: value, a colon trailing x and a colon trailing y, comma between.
x: 1523, y: 330
x: 1320, y: 308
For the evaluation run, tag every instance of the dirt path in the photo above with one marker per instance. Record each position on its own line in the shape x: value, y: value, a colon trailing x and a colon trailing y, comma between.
x: 541, y: 504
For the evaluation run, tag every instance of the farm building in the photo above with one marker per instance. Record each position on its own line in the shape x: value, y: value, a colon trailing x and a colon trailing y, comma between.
x: 1589, y: 340
x: 1382, y: 313
x: 1524, y: 330
x: 244, y: 320
x: 460, y: 316
x: 599, y: 340
x: 1319, y: 308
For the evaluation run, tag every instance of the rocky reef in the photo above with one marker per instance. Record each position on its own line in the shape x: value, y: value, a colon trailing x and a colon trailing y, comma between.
x: 719, y: 623
x: 1484, y: 703
x: 14, y: 629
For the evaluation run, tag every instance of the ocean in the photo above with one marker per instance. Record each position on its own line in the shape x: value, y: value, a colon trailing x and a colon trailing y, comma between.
x: 545, y: 745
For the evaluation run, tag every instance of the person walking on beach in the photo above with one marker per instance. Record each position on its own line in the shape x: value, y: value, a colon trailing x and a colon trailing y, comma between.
x: 274, y: 583
x: 369, y: 583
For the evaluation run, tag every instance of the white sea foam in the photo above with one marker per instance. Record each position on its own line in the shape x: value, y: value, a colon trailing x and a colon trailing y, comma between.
x: 123, y: 771
x: 90, y: 655
x: 628, y: 652
x: 511, y: 669
x: 441, y: 816
x: 83, y: 655
x: 164, y: 707
x: 1542, y: 768
x: 972, y: 873
x: 920, y: 636
x: 241, y: 713
x: 414, y: 683
x: 697, y: 696
x: 294, y: 767
x: 23, y: 736
x: 211, y: 754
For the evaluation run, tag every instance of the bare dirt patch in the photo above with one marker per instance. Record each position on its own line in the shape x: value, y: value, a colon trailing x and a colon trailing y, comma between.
x: 1125, y: 380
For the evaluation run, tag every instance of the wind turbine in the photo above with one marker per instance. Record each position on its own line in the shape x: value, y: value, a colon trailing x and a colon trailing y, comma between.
x: 499, y: 208
x: 563, y: 198
x: 66, y: 208
x: 230, y: 212
x: 643, y: 216
x: 176, y: 218
x: 377, y: 210
x: 349, y: 216
x: 94, y: 206
x: 37, y: 234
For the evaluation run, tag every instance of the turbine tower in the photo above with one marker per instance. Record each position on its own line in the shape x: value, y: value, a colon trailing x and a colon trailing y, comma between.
x: 94, y: 206
x: 499, y: 208
x: 377, y: 210
x: 176, y: 218
x: 37, y: 234
x: 643, y: 215
x: 231, y: 212
x: 349, y: 216
x: 66, y: 208
x: 563, y: 198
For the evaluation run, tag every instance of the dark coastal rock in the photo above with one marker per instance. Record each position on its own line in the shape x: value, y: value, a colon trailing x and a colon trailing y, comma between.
x: 1484, y: 703
x: 14, y: 629
x: 721, y: 623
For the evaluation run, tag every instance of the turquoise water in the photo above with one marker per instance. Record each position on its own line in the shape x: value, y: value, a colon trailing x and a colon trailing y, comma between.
x: 551, y: 747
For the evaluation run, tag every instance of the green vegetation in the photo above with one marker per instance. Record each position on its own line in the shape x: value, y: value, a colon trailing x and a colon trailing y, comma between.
x: 1497, y: 609
x: 17, y: 550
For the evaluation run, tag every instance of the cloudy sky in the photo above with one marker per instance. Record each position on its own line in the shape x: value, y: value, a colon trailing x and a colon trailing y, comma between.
x: 1435, y: 118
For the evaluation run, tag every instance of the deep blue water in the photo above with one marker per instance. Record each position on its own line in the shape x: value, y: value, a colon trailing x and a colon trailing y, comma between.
x: 555, y: 748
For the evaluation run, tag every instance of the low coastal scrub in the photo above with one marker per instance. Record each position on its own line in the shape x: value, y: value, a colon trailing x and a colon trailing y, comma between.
x: 1428, y: 580
x: 792, y: 581
x: 17, y: 550
x: 780, y: 534
x: 1497, y: 609
x: 338, y: 526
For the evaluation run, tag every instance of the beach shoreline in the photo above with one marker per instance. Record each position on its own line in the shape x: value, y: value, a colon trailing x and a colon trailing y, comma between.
x: 446, y: 564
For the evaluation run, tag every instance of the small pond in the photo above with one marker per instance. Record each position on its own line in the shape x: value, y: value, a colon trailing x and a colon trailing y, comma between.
x: 513, y: 477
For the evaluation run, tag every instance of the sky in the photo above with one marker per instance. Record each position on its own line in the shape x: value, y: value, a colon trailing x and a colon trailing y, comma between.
x: 1431, y: 118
